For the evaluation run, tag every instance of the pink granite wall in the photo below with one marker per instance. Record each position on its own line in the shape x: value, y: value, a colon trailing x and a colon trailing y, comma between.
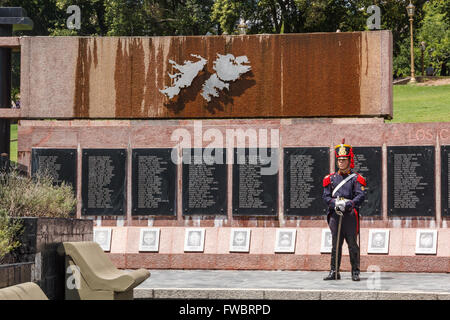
x: 131, y: 134
x: 307, y: 256
x: 292, y: 133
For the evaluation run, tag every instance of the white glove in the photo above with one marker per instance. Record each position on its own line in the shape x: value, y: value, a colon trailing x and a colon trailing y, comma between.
x: 339, y: 206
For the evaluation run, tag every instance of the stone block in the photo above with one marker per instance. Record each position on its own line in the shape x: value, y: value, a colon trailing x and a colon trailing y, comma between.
x: 105, y: 77
x: 4, y: 276
x: 143, y: 293
x: 291, y: 294
x: 178, y: 293
x: 398, y: 295
x: 238, y: 294
x: 348, y: 295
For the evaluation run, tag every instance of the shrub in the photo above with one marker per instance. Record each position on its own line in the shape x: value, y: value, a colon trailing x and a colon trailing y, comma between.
x: 9, y: 232
x: 23, y: 196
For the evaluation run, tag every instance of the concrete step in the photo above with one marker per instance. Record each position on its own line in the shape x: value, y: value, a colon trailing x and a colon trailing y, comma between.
x: 282, y: 294
x: 292, y: 285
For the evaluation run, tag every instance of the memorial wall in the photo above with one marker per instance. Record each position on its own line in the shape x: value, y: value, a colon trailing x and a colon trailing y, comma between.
x: 209, y: 152
x: 169, y: 177
x: 143, y: 175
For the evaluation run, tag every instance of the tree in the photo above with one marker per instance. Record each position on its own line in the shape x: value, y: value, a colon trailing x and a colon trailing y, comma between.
x: 158, y: 18
x: 435, y: 31
x: 92, y: 18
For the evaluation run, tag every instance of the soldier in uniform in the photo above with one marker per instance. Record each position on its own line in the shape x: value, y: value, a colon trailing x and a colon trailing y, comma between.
x: 343, y: 192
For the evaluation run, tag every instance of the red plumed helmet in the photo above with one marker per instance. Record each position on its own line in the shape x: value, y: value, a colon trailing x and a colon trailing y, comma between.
x: 345, y: 150
x: 352, y: 159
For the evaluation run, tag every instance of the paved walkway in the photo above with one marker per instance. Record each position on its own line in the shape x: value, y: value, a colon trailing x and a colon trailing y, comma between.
x: 292, y: 285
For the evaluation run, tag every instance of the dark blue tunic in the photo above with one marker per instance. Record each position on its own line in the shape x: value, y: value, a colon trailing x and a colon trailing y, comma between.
x: 353, y: 190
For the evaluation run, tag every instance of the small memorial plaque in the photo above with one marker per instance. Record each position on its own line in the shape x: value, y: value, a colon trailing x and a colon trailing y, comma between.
x: 149, y: 239
x: 326, y: 245
x: 378, y: 241
x: 103, y: 237
x: 368, y: 163
x: 255, y: 181
x: 411, y: 181
x: 240, y: 240
x: 154, y: 180
x: 445, y: 180
x: 60, y: 164
x: 194, y: 239
x: 104, y: 188
x: 304, y: 170
x: 204, y: 181
x: 426, y: 241
x: 285, y: 240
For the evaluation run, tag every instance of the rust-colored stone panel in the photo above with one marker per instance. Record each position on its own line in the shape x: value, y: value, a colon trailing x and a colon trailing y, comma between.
x: 48, y: 77
x: 292, y: 75
x: 321, y: 74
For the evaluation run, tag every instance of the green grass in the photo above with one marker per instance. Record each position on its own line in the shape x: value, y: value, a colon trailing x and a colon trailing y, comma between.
x: 414, y: 103
x: 13, y: 144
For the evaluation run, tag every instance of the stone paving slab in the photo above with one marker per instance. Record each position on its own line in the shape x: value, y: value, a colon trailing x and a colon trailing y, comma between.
x: 292, y: 285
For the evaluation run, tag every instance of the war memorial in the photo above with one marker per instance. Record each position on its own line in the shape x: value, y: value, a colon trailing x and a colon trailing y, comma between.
x: 208, y: 152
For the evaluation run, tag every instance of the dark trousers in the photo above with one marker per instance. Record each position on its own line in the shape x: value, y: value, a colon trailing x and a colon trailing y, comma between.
x: 349, y: 232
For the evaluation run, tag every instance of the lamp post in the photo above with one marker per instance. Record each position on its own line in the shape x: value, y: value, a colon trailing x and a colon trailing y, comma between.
x: 410, y: 9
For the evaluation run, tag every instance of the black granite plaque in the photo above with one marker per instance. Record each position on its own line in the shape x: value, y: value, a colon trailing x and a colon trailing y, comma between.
x: 368, y: 163
x: 303, y: 171
x: 204, y: 181
x: 154, y: 180
x: 445, y: 180
x: 411, y: 181
x: 60, y: 164
x: 255, y: 182
x: 103, y: 188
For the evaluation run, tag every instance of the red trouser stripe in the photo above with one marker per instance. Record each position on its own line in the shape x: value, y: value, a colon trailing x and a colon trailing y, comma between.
x: 357, y: 220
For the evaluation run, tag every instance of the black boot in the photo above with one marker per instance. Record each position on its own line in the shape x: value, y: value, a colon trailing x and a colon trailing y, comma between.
x: 355, y: 275
x: 333, y: 276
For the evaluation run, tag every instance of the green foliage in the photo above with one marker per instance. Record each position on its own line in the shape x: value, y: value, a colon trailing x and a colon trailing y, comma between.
x: 402, y: 61
x: 198, y: 17
x: 23, y: 196
x: 10, y: 230
x: 435, y: 31
x: 125, y: 18
x: 192, y: 18
x: 227, y: 13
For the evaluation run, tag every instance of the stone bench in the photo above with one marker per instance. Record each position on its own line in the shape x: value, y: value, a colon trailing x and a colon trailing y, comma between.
x: 23, y: 291
x: 90, y: 275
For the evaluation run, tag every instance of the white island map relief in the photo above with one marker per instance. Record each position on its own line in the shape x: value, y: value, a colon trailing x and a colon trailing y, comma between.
x: 188, y: 71
x: 228, y: 68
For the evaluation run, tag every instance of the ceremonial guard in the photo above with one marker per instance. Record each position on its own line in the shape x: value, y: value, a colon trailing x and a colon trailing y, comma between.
x: 343, y: 192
